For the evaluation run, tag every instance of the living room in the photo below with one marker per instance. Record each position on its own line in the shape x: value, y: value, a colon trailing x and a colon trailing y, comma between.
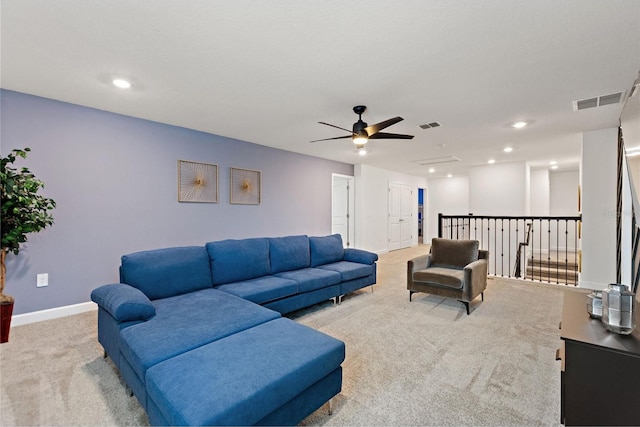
x: 112, y: 171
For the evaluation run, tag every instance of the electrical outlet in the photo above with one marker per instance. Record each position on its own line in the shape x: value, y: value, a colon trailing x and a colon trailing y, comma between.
x: 42, y: 280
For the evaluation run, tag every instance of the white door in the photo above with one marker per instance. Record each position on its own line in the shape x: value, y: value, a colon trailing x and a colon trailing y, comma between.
x: 406, y: 224
x: 342, y: 206
x: 400, y: 224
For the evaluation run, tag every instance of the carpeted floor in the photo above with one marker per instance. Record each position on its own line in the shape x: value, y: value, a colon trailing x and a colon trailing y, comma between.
x: 419, y: 363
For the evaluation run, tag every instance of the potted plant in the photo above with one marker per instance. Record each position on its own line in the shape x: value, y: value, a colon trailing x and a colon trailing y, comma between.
x: 23, y: 211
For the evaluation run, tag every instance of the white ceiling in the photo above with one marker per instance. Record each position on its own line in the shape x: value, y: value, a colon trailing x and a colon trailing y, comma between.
x: 268, y: 71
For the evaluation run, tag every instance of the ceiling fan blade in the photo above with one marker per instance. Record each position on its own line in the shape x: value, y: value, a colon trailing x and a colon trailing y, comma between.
x: 385, y: 135
x: 329, y: 139
x: 373, y: 129
x: 337, y: 127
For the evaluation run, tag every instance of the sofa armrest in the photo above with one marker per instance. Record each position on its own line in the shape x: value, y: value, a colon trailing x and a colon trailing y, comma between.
x: 359, y: 255
x: 419, y: 263
x: 125, y: 303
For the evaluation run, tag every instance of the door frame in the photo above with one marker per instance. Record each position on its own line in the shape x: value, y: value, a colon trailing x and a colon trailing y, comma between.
x: 351, y: 229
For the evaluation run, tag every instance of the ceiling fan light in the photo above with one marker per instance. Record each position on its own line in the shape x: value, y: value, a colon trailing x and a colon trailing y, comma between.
x: 360, y: 139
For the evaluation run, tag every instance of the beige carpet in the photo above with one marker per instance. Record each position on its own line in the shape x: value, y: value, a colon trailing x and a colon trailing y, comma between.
x: 419, y: 363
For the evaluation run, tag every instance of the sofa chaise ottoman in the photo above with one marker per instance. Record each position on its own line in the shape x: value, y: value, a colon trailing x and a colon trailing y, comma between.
x: 275, y: 373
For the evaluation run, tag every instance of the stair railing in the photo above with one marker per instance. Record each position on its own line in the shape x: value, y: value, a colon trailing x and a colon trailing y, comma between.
x: 551, y: 242
x: 521, y: 246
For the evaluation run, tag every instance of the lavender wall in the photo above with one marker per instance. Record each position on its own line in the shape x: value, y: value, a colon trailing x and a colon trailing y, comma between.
x: 114, y: 179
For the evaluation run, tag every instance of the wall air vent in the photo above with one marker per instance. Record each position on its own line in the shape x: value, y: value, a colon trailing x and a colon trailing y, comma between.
x: 599, y: 101
x: 430, y: 125
x: 437, y: 160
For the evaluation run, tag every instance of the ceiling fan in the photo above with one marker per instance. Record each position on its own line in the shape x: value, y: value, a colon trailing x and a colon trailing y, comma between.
x: 362, y: 133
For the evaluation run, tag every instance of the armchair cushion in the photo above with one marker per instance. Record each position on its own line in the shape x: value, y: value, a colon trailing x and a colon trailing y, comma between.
x: 441, y: 276
x: 453, y: 253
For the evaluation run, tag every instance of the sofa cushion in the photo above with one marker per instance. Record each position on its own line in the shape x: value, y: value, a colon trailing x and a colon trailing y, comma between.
x: 264, y: 368
x: 237, y: 260
x: 168, y: 272
x: 289, y: 253
x: 453, y: 253
x: 441, y: 276
x: 188, y: 321
x: 125, y: 303
x: 262, y: 289
x: 310, y: 279
x: 326, y: 249
x: 349, y: 270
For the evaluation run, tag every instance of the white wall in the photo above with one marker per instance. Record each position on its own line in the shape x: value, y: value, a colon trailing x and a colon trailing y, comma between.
x: 372, y: 186
x: 564, y: 193
x: 599, y: 176
x: 539, y: 192
x: 448, y: 196
x: 499, y: 189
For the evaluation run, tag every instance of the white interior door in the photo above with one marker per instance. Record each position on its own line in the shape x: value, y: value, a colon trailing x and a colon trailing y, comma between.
x: 406, y: 224
x: 395, y: 191
x: 400, y: 224
x: 342, y: 207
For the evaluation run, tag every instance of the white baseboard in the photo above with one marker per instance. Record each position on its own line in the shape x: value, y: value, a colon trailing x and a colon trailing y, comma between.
x: 592, y: 285
x: 52, y: 313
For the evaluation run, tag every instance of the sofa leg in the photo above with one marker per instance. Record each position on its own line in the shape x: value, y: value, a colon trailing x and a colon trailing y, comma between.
x: 104, y: 353
x: 331, y: 406
x: 371, y: 288
x: 481, y: 296
x: 339, y: 297
x: 410, y: 294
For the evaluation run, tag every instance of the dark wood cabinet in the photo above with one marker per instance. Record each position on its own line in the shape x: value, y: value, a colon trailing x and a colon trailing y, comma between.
x: 600, y: 374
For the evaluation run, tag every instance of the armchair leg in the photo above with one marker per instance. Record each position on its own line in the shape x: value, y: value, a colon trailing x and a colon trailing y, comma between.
x: 410, y: 294
x: 481, y: 296
x: 466, y: 304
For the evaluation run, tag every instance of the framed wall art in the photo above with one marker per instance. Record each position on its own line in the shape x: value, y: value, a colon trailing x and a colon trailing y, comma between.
x: 197, y: 182
x: 246, y: 187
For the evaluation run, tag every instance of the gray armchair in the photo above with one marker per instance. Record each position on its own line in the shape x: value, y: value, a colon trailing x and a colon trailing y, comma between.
x: 453, y: 269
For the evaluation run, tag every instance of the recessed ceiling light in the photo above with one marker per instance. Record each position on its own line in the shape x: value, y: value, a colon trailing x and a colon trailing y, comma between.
x: 449, y: 175
x: 508, y: 149
x: 553, y: 162
x: 362, y: 152
x: 554, y: 167
x: 121, y: 83
x: 519, y: 125
x: 431, y: 170
x: 491, y: 161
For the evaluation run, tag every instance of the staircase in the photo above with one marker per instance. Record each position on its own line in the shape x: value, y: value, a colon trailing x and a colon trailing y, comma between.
x: 553, y: 267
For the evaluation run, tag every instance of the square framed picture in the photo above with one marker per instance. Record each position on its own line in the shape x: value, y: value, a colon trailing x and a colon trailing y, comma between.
x: 197, y: 182
x: 246, y: 186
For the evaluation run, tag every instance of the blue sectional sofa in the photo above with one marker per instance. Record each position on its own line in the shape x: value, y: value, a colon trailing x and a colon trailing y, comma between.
x: 198, y: 336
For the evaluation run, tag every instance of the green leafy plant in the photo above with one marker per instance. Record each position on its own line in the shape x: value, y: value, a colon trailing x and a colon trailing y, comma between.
x: 24, y: 211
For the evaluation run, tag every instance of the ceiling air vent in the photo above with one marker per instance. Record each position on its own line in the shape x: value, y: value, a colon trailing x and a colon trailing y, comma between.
x: 599, y: 101
x: 437, y: 160
x: 430, y: 125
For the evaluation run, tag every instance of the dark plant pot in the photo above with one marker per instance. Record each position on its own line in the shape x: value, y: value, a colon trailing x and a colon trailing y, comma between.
x: 6, y: 309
